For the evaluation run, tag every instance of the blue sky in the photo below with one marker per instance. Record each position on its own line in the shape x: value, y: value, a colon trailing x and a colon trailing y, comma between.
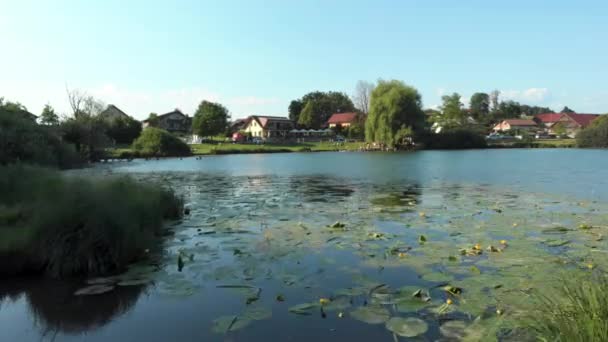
x: 256, y: 56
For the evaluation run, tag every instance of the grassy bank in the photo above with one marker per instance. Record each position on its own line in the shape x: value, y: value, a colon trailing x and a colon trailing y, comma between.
x: 63, y: 226
x: 537, y: 143
x: 229, y: 148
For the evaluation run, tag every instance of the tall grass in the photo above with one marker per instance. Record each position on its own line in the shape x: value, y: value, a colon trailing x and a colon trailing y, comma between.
x: 577, y: 311
x: 66, y: 226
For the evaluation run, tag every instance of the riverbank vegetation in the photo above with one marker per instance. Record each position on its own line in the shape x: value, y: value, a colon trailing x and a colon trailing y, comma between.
x: 61, y: 225
x: 596, y: 135
x: 156, y: 142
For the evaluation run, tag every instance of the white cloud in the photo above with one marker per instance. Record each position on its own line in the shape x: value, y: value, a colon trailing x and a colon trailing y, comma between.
x: 527, y: 96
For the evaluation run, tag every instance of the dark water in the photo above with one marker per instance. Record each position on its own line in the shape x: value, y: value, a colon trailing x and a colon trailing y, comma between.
x: 261, y: 221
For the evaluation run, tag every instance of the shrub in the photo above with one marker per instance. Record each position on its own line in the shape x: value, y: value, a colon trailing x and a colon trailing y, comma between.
x: 160, y: 143
x: 123, y: 130
x: 596, y: 135
x: 64, y: 225
x: 22, y: 140
x: 455, y: 139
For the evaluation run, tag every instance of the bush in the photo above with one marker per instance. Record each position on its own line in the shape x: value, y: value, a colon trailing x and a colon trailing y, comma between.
x: 24, y: 141
x: 63, y: 225
x: 455, y: 139
x: 123, y: 130
x: 156, y: 142
x: 596, y: 135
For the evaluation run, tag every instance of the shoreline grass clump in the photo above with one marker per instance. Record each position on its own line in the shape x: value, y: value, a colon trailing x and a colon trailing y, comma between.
x: 62, y: 226
x: 576, y: 311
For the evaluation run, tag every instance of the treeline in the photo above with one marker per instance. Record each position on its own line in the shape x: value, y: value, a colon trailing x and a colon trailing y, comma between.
x: 595, y: 135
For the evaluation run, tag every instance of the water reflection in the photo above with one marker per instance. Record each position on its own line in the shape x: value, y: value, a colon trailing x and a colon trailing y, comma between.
x: 55, y: 309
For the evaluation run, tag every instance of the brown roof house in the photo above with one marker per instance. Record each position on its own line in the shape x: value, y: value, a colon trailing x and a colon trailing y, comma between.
x: 112, y: 113
x: 343, y: 120
x: 174, y: 122
x: 570, y: 123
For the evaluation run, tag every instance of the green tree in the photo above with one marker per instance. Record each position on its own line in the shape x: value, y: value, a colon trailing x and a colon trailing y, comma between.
x: 48, y: 116
x: 324, y: 104
x: 594, y: 135
x: 452, y: 112
x: 559, y: 129
x: 480, y: 106
x: 394, y: 107
x: 567, y: 110
x: 123, y: 130
x: 210, y: 119
x: 494, y: 100
x: 509, y: 109
x: 158, y: 142
x: 152, y: 120
x: 307, y: 116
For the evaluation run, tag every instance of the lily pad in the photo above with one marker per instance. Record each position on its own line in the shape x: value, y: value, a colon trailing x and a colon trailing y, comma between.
x: 453, y: 330
x: 438, y: 277
x: 226, y: 324
x: 303, y: 309
x: 371, y: 314
x: 134, y: 282
x: 338, y: 303
x: 94, y: 290
x: 407, y: 327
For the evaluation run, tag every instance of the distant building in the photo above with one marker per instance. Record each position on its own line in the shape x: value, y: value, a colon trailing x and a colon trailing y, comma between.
x: 343, y: 120
x: 572, y: 123
x: 238, y: 125
x: 268, y: 127
x: 174, y: 122
x: 515, y: 125
x: 112, y: 113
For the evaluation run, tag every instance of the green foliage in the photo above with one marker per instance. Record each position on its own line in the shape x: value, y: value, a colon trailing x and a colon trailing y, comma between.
x: 324, y: 105
x: 462, y: 138
x: 356, y: 131
x: 48, y: 116
x: 210, y: 119
x: 63, y: 225
x: 452, y: 113
x: 595, y: 135
x: 559, y: 128
x: 394, y: 106
x: 307, y: 116
x: 23, y: 141
x: 88, y: 134
x: 160, y: 143
x: 152, y: 120
x: 480, y: 106
x: 577, y: 311
x: 123, y: 130
x: 567, y: 110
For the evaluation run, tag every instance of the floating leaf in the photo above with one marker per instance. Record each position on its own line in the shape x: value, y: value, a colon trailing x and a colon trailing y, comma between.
x: 304, y: 309
x: 453, y: 330
x: 226, y: 324
x: 371, y: 314
x: 134, y: 282
x: 407, y: 327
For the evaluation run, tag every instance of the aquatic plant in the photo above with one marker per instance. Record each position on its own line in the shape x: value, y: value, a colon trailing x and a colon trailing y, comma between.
x: 63, y: 225
x: 576, y: 311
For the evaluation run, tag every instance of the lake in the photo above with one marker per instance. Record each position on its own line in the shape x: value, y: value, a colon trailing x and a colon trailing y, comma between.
x: 341, y: 247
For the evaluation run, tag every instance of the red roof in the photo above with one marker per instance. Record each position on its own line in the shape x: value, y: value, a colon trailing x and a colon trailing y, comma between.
x: 548, y: 117
x: 341, y: 118
x: 582, y: 119
x: 520, y: 122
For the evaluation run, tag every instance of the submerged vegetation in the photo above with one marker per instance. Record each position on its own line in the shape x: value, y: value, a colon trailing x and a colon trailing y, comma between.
x: 63, y: 225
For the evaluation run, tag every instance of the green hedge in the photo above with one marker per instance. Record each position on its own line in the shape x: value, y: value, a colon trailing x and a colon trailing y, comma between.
x: 156, y: 142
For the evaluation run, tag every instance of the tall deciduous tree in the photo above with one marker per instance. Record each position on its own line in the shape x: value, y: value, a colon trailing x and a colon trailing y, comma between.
x: 210, y: 119
x: 324, y: 104
x: 567, y: 110
x: 363, y: 93
x: 395, y: 109
x: 494, y: 100
x: 48, y: 116
x: 307, y: 115
x: 480, y: 106
x: 452, y: 112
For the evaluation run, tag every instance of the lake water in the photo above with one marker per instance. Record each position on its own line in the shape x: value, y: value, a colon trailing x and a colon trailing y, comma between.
x: 330, y: 246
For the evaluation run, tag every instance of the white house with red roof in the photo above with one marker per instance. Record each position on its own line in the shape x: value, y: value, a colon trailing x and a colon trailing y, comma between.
x: 268, y: 127
x: 572, y: 123
x: 516, y: 125
x: 343, y: 120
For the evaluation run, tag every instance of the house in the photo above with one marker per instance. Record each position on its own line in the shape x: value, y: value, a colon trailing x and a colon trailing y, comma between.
x: 343, y: 120
x: 268, y: 127
x: 238, y: 125
x: 565, y: 123
x: 174, y: 122
x: 113, y: 113
x: 516, y: 125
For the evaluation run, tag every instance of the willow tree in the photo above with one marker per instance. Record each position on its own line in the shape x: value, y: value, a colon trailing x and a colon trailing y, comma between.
x: 395, y: 108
